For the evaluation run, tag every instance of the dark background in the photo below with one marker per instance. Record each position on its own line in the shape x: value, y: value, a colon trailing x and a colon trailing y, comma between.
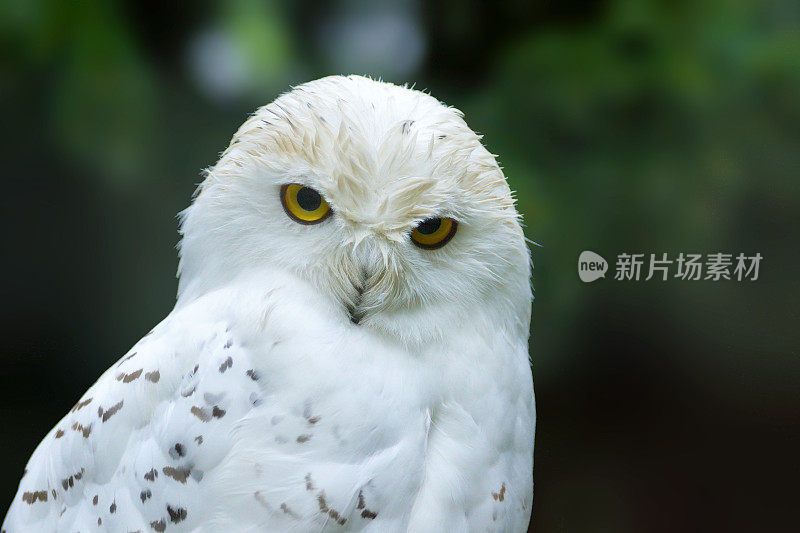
x: 624, y: 125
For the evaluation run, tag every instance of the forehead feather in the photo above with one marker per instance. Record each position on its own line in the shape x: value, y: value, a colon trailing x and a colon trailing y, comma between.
x: 381, y: 153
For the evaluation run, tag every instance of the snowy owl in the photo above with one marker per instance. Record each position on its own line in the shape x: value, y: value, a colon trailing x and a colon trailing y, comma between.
x: 348, y: 350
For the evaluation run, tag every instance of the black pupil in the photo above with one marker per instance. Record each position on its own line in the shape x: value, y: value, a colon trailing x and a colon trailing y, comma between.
x: 308, y: 199
x: 429, y: 226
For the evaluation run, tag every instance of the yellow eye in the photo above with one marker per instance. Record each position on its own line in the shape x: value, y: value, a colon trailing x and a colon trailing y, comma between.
x: 434, y: 232
x: 303, y: 204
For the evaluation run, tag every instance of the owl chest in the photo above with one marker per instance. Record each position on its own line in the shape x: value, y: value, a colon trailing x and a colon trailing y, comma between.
x: 330, y: 441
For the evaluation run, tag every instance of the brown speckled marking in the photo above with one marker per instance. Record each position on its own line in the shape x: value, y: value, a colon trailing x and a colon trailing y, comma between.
x: 153, y: 376
x: 145, y: 495
x: 151, y: 475
x: 309, y: 483
x: 199, y: 440
x: 286, y: 510
x: 303, y: 438
x: 178, y: 474
x: 313, y: 420
x: 200, y: 413
x: 126, y: 358
x: 99, y: 521
x: 501, y: 495
x: 84, y: 430
x: 159, y: 525
x: 216, y: 412
x: 252, y: 374
x: 127, y: 378
x: 112, y: 508
x: 80, y: 405
x: 59, y: 433
x: 176, y: 515
x: 228, y: 344
x: 333, y: 513
x: 226, y: 365
x: 365, y: 513
x: 179, y: 449
x: 33, y: 497
x: 112, y: 410
x: 94, y: 500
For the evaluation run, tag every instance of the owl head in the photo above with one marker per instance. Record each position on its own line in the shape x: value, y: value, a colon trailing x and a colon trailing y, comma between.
x: 378, y: 197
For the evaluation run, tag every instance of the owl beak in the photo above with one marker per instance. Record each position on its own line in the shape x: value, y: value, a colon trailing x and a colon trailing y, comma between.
x: 368, y: 264
x: 355, y: 310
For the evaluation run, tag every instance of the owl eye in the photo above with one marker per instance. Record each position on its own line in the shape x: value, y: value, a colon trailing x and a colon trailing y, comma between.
x: 434, y: 233
x: 303, y: 204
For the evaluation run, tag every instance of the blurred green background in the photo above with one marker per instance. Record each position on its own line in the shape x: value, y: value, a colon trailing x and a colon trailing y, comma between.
x: 624, y: 125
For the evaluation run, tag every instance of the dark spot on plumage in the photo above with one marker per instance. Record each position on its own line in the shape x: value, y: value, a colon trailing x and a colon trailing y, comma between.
x: 111, y: 411
x: 442, y: 136
x: 228, y: 344
x: 499, y: 496
x: 94, y: 500
x: 126, y: 358
x: 407, y: 126
x: 84, y: 430
x: 178, y: 474
x: 313, y: 420
x: 127, y: 378
x: 286, y: 510
x: 216, y: 412
x: 179, y: 449
x: 199, y: 440
x: 303, y: 438
x: 309, y: 483
x: 153, y: 376
x: 253, y: 374
x: 112, y: 508
x: 333, y: 513
x: 53, y: 492
x: 34, y: 496
x: 151, y: 475
x: 176, y: 515
x: 145, y: 495
x: 59, y: 434
x: 362, y: 505
x: 159, y: 525
x: 79, y: 475
x: 99, y: 521
x: 200, y: 413
x: 194, y: 371
x: 81, y: 405
x: 323, y: 504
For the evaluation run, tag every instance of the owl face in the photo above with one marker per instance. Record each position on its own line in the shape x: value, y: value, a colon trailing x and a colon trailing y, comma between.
x: 379, y: 197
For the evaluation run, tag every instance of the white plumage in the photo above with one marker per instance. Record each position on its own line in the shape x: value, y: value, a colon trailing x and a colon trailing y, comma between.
x: 331, y: 376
